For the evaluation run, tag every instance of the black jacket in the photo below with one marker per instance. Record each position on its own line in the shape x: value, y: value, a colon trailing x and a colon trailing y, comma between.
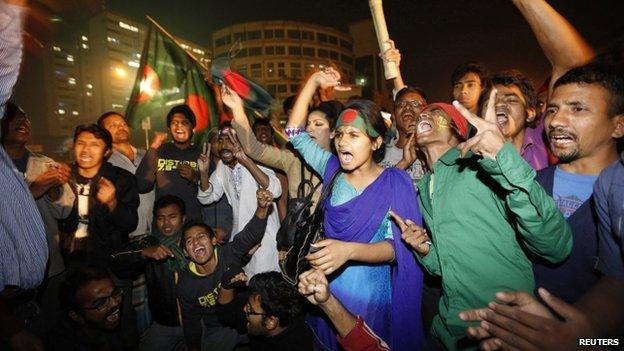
x: 108, y: 231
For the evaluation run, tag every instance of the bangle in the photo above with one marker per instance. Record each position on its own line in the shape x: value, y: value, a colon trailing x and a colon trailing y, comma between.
x: 292, y: 132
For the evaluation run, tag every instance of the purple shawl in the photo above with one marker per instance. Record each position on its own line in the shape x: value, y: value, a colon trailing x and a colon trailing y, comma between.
x: 359, y: 219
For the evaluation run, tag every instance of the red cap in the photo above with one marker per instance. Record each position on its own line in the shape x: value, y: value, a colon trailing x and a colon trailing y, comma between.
x: 460, y: 122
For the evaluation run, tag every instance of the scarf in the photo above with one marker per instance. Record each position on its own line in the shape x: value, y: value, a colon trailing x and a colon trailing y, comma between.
x: 172, y: 242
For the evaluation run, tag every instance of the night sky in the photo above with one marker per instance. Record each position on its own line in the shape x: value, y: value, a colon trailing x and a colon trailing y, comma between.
x: 434, y: 36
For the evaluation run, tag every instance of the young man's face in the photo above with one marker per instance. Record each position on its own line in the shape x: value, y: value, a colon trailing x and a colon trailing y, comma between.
x: 169, y: 219
x: 512, y: 113
x: 226, y: 149
x: 264, y: 134
x: 467, y: 90
x: 118, y: 127
x: 256, y: 319
x: 198, y: 245
x: 18, y: 131
x: 578, y: 123
x: 100, y: 304
x: 433, y: 126
x: 89, y: 151
x: 180, y: 128
x: 406, y: 111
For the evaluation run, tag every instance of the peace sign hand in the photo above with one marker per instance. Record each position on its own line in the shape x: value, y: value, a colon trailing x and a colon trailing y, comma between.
x: 489, y: 140
x: 203, y: 162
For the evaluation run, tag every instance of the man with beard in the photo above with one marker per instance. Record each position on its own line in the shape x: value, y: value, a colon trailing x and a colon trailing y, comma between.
x: 469, y: 80
x: 237, y: 176
x: 200, y: 282
x: 161, y: 258
x: 487, y: 210
x: 128, y: 157
x: 91, y: 313
x: 171, y: 167
x: 585, y: 116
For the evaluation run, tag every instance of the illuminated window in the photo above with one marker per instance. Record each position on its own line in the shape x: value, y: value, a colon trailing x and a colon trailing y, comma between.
x: 84, y: 46
x: 75, y: 113
x: 71, y: 81
x: 56, y: 48
x: 84, y: 38
x: 70, y: 58
x: 128, y: 27
x: 61, y: 111
x: 89, y: 86
x: 133, y: 64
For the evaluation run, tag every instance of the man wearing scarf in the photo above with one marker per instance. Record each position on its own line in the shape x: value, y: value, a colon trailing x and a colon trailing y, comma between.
x: 160, y: 257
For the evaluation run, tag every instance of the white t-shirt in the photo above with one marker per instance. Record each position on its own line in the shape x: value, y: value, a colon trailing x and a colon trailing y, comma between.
x: 394, y: 155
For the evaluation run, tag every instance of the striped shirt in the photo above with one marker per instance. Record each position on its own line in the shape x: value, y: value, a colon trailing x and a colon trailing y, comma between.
x: 23, y: 245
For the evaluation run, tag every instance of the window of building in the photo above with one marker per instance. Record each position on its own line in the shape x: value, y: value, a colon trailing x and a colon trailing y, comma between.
x: 280, y: 50
x: 307, y: 35
x: 294, y: 50
x: 346, y: 58
x: 269, y: 50
x: 321, y: 38
x: 294, y: 34
x: 279, y: 33
x: 256, y: 70
x: 294, y: 88
x: 270, y: 69
x: 307, y: 51
x: 254, y: 35
x: 255, y: 51
x: 333, y: 40
x: 282, y: 88
x: 223, y: 40
x: 322, y: 53
x: 281, y: 71
x: 242, y: 53
x: 295, y: 69
x: 240, y: 36
x: 345, y: 44
x: 242, y: 69
x: 268, y: 34
x: 271, y: 88
x: 333, y: 55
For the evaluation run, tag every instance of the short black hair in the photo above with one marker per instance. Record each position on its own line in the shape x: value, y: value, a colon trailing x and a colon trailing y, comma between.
x: 406, y: 90
x: 288, y: 103
x: 278, y: 298
x: 331, y: 109
x: 185, y: 110
x: 195, y: 223
x: 105, y: 115
x: 372, y: 112
x: 167, y: 200
x: 471, y: 67
x: 603, y: 75
x: 261, y: 122
x: 74, y: 282
x: 11, y: 110
x: 97, y: 131
x: 515, y: 77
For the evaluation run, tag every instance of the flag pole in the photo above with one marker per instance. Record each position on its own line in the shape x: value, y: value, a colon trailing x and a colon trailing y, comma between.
x: 162, y: 29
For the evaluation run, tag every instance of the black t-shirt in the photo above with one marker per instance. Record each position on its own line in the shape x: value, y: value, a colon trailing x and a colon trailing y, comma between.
x: 21, y: 163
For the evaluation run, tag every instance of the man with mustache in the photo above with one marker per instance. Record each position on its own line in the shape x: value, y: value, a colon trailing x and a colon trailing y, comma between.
x: 237, y: 176
x: 128, y: 157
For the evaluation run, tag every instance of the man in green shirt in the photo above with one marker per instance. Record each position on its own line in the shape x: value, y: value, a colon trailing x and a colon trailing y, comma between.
x: 485, y: 213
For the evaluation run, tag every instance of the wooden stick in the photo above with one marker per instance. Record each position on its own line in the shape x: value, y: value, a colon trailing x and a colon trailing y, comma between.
x: 168, y: 35
x: 379, y: 20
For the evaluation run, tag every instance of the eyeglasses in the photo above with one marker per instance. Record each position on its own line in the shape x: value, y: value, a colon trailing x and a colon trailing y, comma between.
x: 249, y: 312
x: 102, y: 303
x: 413, y: 103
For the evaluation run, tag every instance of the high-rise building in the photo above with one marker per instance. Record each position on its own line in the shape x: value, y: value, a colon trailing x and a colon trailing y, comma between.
x: 278, y: 54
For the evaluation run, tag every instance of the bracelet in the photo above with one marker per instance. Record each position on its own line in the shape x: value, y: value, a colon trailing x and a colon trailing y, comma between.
x: 292, y: 132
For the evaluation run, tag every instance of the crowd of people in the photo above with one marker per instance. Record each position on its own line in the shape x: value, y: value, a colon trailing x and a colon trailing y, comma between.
x: 493, y: 221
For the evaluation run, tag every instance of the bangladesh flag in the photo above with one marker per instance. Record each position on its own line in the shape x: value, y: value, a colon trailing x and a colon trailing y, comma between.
x: 168, y: 76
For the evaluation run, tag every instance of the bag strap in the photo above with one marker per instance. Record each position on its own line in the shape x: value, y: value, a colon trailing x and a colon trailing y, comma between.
x: 326, y: 192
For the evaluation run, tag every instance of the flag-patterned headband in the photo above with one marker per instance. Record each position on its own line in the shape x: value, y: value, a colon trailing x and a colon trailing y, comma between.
x: 351, y: 117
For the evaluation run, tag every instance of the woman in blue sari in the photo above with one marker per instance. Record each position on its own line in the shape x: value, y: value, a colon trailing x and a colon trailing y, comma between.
x: 370, y: 269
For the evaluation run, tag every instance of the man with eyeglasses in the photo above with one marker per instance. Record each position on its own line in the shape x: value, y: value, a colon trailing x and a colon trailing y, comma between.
x: 170, y: 168
x: 200, y: 282
x: 91, y: 319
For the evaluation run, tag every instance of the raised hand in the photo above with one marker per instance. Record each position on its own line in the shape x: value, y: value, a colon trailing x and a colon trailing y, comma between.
x: 237, y: 148
x: 107, y: 193
x: 187, y: 172
x: 157, y: 253
x: 314, y: 286
x: 230, y: 98
x: 158, y: 140
x: 413, y: 234
x: 265, y: 198
x: 328, y: 78
x: 489, y: 140
x: 332, y: 254
x: 391, y: 55
x: 203, y: 162
x: 410, y: 153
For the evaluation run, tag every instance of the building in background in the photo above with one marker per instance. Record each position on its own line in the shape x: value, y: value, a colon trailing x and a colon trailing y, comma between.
x: 278, y: 54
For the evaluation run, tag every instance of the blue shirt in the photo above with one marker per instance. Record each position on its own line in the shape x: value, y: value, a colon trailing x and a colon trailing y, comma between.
x: 571, y: 190
x: 609, y: 197
x: 23, y: 244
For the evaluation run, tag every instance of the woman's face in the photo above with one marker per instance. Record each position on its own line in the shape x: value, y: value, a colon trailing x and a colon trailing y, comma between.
x: 354, y: 147
x: 319, y: 129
